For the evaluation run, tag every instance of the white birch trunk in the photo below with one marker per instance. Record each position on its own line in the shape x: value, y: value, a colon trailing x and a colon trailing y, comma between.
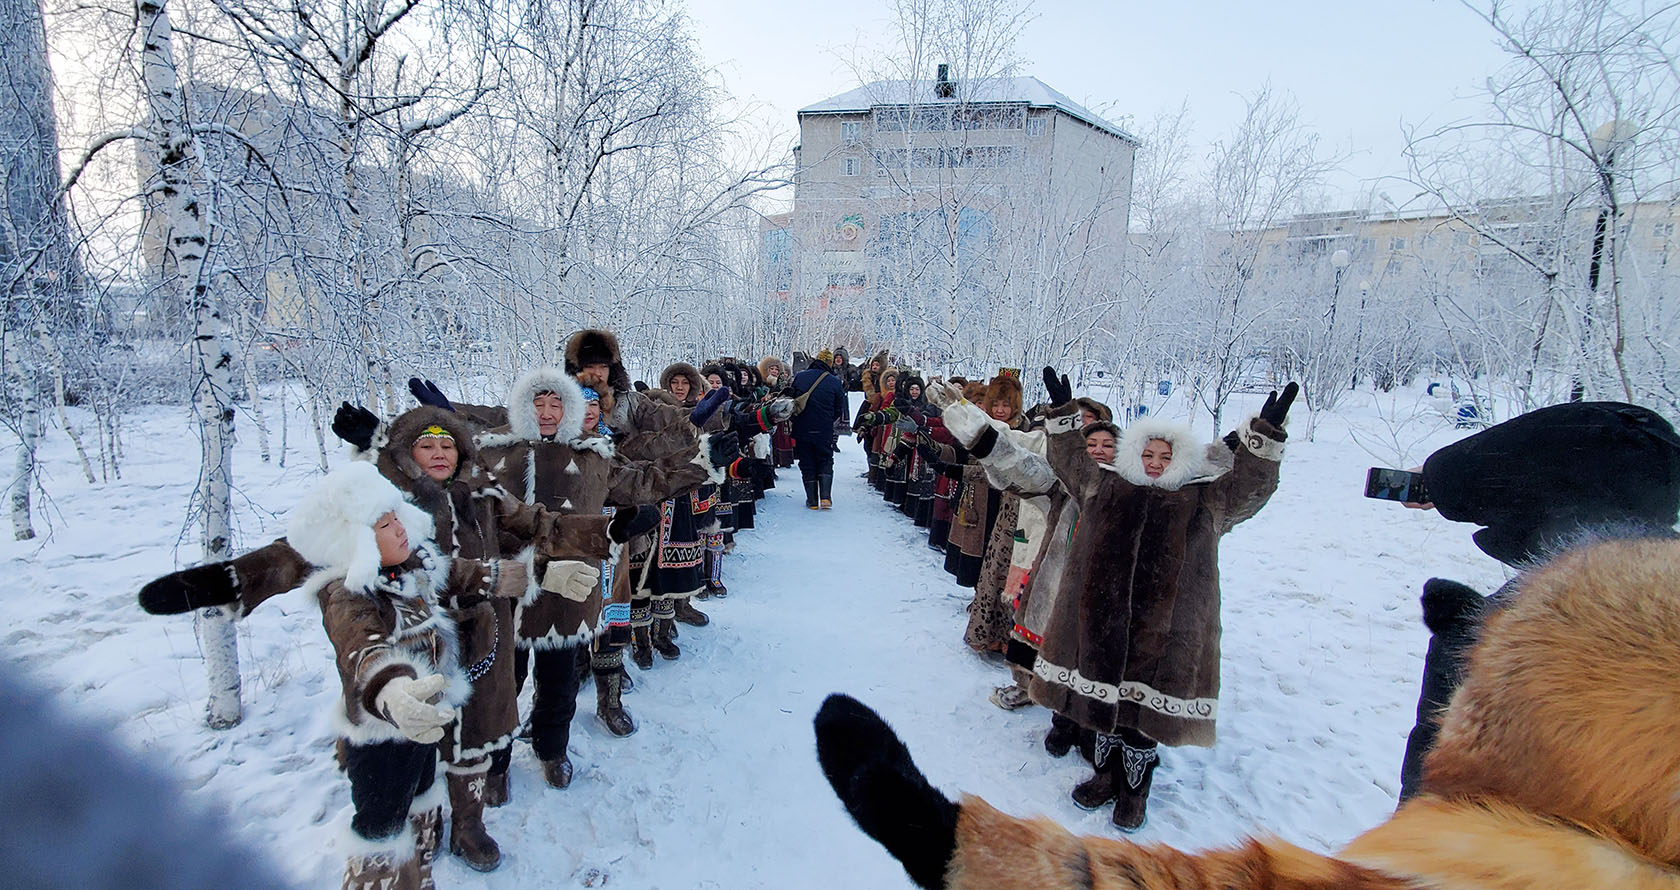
x: 186, y: 245
x: 56, y: 359
x: 29, y: 430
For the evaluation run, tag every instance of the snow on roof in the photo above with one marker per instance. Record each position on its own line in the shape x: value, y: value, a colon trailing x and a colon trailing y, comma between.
x: 1034, y: 92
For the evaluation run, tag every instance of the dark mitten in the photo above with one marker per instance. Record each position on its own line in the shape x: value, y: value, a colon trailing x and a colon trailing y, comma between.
x: 985, y: 442
x: 723, y: 449
x: 356, y: 425
x: 763, y: 475
x: 631, y: 522
x: 1057, y: 385
x: 641, y: 386
x: 1232, y: 441
x: 1450, y: 608
x: 888, y: 797
x: 708, y: 406
x: 1276, y: 409
x: 428, y: 394
x: 214, y: 584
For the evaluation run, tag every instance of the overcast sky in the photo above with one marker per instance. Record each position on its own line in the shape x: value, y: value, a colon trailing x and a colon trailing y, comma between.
x: 1358, y: 69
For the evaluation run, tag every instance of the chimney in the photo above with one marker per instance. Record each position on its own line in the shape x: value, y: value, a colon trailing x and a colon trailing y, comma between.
x: 943, y: 88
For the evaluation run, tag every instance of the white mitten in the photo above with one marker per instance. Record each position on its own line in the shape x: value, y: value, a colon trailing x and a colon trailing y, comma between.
x: 944, y: 394
x: 965, y: 421
x: 780, y: 409
x: 406, y: 702
x: 571, y: 579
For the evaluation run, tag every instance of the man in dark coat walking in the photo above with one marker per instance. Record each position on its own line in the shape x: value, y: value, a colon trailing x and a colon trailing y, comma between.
x: 813, y: 428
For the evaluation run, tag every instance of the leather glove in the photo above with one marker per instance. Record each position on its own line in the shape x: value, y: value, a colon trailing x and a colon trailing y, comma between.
x: 212, y: 584
x: 723, y: 449
x: 407, y: 703
x: 632, y: 522
x: 571, y: 579
x: 427, y: 393
x: 1276, y: 409
x: 708, y: 406
x: 872, y: 773
x: 356, y: 425
x: 1061, y: 392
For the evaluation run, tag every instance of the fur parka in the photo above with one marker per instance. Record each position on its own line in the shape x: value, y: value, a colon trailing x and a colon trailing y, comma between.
x: 574, y: 474
x: 1133, y: 641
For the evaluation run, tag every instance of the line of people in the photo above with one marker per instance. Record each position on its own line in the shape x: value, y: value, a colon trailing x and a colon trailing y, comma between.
x: 471, y: 549
x: 1092, y: 553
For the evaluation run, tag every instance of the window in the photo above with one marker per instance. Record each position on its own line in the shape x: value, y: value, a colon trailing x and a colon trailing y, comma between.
x: 931, y: 119
x: 851, y: 132
x: 1663, y: 230
x: 1396, y: 244
x: 853, y: 166
x: 1035, y: 125
x: 989, y: 118
x: 891, y: 119
x: 846, y: 279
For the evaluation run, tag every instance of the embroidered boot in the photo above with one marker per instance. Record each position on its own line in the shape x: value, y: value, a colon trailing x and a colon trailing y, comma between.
x: 468, y: 838
x: 609, y: 709
x: 428, y: 835
x: 1101, y: 787
x: 641, y: 650
x: 661, y: 639
x: 380, y: 871
x: 1134, y: 772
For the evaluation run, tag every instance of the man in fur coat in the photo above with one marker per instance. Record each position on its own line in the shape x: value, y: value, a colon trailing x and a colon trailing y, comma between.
x: 1554, y: 771
x: 1131, y: 650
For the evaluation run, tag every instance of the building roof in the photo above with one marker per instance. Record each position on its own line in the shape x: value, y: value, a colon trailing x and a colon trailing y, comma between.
x: 1003, y: 90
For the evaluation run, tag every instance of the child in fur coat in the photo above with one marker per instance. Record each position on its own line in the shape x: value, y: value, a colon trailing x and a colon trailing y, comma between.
x: 397, y: 663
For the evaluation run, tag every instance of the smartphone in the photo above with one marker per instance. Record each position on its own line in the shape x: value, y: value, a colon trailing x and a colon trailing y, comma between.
x: 1404, y: 486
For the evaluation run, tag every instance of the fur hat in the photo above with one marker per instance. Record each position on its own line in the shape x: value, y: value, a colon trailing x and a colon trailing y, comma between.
x: 1188, y: 461
x: 1103, y: 426
x: 826, y: 356
x: 696, y: 379
x: 1102, y: 411
x: 974, y: 391
x: 595, y: 346
x: 772, y: 363
x: 522, y: 417
x: 398, y: 452
x: 333, y: 526
x: 1006, y: 389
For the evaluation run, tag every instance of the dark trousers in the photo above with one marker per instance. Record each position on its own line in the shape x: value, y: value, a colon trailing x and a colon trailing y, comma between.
x: 816, y: 458
x: 385, y: 777
x: 557, y: 677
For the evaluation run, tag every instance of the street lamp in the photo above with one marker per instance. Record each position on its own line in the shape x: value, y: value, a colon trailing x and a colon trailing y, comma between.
x: 1359, y: 328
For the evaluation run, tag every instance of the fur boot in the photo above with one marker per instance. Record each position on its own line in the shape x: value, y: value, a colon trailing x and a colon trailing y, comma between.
x: 662, y: 637
x: 609, y: 709
x: 558, y: 772
x: 1061, y: 738
x: 428, y: 836
x: 641, y: 650
x: 467, y: 837
x: 687, y: 614
x: 383, y: 869
x: 1133, y: 768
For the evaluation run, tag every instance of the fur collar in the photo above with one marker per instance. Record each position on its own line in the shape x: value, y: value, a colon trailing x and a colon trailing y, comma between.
x: 1189, y: 463
x: 522, y: 418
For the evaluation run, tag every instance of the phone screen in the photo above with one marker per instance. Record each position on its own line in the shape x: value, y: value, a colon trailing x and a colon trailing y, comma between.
x: 1404, y: 486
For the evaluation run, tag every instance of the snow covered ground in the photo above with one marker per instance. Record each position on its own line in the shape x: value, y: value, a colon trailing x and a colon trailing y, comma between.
x: 720, y: 787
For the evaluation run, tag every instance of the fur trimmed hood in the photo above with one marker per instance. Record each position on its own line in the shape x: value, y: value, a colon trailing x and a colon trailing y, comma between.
x: 696, y: 380
x: 332, y: 527
x: 1188, y: 465
x: 593, y: 345
x: 407, y: 427
x: 522, y: 417
x: 769, y: 363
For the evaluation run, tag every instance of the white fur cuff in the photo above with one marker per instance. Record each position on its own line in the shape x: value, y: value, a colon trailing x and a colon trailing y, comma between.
x: 966, y: 421
x: 703, y: 460
x: 1260, y: 445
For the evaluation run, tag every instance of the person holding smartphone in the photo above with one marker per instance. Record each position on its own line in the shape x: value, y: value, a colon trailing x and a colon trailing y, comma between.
x: 1536, y: 484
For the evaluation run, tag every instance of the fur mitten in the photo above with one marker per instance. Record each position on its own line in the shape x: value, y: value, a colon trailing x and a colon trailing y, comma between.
x: 212, y: 584
x: 888, y: 797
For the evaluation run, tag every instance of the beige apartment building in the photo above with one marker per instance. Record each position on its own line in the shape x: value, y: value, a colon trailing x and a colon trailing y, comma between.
x: 919, y: 201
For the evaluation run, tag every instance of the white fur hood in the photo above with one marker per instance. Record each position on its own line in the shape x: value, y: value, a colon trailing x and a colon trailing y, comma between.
x: 1190, y: 461
x: 522, y: 418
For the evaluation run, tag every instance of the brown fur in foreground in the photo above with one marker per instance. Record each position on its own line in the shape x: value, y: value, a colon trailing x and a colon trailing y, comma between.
x: 1557, y: 768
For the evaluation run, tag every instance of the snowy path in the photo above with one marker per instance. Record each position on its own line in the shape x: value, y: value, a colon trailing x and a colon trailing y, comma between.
x: 720, y: 788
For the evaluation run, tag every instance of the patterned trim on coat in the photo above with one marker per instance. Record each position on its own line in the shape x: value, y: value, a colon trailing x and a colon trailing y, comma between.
x: 1140, y: 694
